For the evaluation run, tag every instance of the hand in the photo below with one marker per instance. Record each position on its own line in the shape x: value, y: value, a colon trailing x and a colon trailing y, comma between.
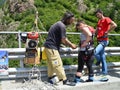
x: 73, y: 46
x: 106, y: 33
x: 79, y: 74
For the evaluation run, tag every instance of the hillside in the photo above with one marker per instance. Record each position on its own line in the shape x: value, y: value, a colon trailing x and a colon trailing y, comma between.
x: 18, y: 15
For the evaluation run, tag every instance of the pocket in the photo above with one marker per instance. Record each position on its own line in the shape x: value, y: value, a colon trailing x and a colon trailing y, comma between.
x: 55, y: 58
x: 55, y: 63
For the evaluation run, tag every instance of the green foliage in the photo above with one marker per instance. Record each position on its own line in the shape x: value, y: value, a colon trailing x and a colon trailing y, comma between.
x: 11, y: 41
x: 2, y: 2
x: 14, y: 63
x: 113, y: 58
x: 76, y: 38
x: 47, y: 16
x: 90, y: 18
x: 6, y: 20
x: 69, y: 61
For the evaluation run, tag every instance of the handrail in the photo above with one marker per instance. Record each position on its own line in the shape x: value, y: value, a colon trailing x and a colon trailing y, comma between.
x: 17, y: 53
x: 43, y: 32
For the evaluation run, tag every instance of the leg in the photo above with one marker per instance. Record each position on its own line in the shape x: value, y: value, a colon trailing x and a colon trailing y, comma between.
x: 55, y: 64
x: 97, y: 52
x: 80, y: 62
x: 103, y: 58
x: 89, y: 64
x: 50, y: 70
x: 58, y: 66
x: 104, y: 67
x: 104, y: 63
x: 80, y: 67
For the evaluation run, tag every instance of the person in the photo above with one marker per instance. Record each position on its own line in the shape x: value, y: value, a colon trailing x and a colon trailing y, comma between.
x: 56, y: 36
x: 85, y: 54
x: 104, y: 26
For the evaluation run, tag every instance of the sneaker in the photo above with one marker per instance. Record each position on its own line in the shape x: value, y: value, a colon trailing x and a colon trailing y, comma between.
x: 104, y: 78
x: 53, y: 80
x: 78, y: 80
x: 67, y: 82
x: 97, y: 63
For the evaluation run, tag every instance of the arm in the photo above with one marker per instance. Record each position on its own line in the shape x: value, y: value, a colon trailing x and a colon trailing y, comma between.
x: 67, y: 42
x: 96, y: 32
x: 113, y: 25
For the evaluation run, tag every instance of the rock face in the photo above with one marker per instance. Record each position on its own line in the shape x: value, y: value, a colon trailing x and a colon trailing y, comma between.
x: 81, y: 6
x: 14, y: 6
x: 20, y: 5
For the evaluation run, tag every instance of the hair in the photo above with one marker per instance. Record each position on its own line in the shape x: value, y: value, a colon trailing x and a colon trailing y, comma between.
x: 99, y: 11
x: 67, y: 16
x: 78, y: 23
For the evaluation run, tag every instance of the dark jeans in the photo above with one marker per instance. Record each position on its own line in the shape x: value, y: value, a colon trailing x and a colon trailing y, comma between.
x: 87, y: 59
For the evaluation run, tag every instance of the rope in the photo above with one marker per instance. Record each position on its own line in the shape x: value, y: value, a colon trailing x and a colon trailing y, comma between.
x: 36, y: 84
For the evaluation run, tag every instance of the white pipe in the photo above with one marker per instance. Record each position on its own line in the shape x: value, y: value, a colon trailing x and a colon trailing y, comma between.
x: 66, y: 49
x: 63, y: 55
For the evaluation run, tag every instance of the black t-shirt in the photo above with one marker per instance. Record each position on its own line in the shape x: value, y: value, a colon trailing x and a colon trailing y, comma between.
x: 56, y: 32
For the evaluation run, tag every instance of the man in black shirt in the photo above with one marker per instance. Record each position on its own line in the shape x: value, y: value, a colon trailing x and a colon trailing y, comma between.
x: 56, y: 36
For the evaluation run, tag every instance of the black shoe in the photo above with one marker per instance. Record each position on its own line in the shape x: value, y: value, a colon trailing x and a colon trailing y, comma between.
x: 97, y: 63
x: 89, y: 80
x: 66, y: 82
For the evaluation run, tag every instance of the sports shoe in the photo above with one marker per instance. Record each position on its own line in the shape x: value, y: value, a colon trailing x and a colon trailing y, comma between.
x: 53, y: 80
x: 78, y: 80
x: 67, y: 82
x: 103, y: 78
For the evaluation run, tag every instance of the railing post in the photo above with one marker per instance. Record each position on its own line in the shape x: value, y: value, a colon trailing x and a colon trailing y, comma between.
x: 19, y: 42
x: 19, y: 39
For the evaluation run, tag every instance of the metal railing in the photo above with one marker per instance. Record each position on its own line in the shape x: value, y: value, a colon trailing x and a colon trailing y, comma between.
x: 19, y: 32
x: 19, y: 53
x: 69, y: 69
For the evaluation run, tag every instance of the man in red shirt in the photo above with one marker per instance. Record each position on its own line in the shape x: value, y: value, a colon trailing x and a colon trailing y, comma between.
x: 104, y: 26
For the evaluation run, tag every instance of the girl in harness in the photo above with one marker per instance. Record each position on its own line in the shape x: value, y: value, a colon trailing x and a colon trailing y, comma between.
x: 85, y: 54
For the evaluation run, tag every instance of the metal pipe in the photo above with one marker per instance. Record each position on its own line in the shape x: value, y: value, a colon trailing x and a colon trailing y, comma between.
x: 9, y: 32
x: 67, y: 49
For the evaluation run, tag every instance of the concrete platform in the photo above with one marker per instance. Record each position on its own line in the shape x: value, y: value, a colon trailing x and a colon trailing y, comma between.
x: 112, y: 84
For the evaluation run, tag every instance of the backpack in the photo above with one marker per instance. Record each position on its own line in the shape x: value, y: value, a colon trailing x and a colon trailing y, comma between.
x: 92, y: 30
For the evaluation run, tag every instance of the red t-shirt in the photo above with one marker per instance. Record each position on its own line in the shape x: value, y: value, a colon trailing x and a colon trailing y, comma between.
x: 102, y: 26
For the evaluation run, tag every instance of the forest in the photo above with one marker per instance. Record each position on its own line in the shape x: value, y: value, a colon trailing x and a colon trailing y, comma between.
x: 19, y: 15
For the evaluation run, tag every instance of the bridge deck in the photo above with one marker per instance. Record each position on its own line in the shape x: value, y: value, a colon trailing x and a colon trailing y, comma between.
x: 112, y: 84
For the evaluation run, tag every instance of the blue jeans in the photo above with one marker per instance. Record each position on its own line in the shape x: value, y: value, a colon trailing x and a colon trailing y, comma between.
x: 100, y: 55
